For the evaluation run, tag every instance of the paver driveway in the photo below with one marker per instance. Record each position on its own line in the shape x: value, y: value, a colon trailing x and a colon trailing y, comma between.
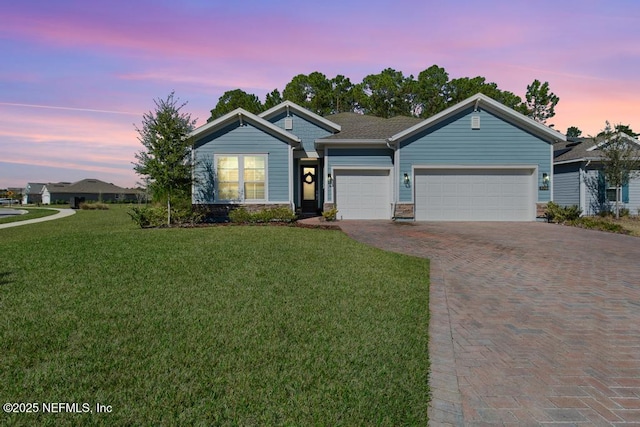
x: 531, y: 323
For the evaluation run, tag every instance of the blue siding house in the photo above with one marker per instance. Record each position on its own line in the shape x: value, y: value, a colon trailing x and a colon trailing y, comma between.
x: 476, y: 161
x: 578, y: 178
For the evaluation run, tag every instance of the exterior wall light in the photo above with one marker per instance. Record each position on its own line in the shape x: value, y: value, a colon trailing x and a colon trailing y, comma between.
x: 329, y: 179
x: 545, y: 178
x: 407, y: 180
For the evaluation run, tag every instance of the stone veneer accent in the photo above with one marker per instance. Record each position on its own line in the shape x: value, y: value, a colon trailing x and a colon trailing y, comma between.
x: 404, y: 210
x: 541, y: 210
x: 328, y: 206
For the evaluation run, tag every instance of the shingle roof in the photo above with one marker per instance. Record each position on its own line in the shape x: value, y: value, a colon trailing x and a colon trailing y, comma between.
x: 92, y: 186
x: 35, y: 187
x: 577, y: 149
x: 358, y: 126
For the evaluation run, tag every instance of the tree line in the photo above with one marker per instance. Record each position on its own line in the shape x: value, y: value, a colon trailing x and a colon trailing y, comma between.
x: 390, y: 93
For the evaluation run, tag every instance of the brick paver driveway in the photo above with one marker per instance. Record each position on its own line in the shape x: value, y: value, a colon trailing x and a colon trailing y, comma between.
x: 531, y: 323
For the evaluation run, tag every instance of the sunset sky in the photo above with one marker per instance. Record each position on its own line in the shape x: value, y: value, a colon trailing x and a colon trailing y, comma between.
x: 77, y: 75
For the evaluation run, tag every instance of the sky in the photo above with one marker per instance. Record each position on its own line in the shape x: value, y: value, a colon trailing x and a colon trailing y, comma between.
x: 76, y: 76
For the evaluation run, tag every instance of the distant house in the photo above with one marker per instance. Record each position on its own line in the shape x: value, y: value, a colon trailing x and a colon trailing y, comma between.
x: 89, y: 189
x: 578, y: 178
x: 32, y: 193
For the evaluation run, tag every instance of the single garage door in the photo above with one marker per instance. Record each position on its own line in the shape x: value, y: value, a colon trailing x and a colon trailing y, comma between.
x: 363, y: 194
x: 474, y: 195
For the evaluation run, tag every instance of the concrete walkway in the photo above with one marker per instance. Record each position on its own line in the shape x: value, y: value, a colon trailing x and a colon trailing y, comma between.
x: 61, y: 214
x: 531, y: 323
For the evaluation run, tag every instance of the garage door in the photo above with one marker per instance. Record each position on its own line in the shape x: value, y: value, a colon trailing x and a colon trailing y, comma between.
x: 363, y: 194
x: 474, y: 195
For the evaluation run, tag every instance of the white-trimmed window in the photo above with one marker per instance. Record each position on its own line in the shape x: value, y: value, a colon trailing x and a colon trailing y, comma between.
x: 241, y: 177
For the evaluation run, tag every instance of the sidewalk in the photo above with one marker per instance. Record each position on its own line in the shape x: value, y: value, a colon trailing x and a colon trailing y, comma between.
x: 61, y: 214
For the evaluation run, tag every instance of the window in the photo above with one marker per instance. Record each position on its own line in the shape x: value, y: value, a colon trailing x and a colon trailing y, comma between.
x: 241, y: 177
x: 611, y: 194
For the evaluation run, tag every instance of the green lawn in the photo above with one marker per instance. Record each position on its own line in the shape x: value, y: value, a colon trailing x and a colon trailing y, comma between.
x: 33, y: 213
x: 210, y: 326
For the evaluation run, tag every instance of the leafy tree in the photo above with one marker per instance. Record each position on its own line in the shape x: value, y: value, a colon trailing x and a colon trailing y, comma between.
x: 540, y: 102
x: 232, y: 99
x: 573, y: 132
x: 625, y: 129
x: 431, y: 92
x: 166, y: 161
x: 387, y: 94
x: 464, y: 87
x: 273, y: 98
x: 312, y: 92
x: 343, y: 95
x: 620, y: 160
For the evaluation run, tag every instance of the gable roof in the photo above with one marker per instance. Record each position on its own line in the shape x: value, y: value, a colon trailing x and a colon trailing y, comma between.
x: 303, y: 112
x: 480, y: 100
x: 357, y: 127
x: 34, y: 187
x: 242, y: 115
x: 89, y: 185
x: 583, y: 149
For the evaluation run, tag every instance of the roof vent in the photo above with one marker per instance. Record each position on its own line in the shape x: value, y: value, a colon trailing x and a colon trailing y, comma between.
x: 288, y: 123
x: 475, y: 122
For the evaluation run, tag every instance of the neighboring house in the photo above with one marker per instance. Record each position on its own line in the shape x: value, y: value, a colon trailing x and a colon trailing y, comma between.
x: 578, y: 178
x: 32, y: 193
x: 89, y: 189
x: 476, y: 161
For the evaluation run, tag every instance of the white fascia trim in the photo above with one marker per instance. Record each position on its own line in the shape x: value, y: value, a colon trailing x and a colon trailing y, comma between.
x: 490, y: 105
x: 618, y: 135
x: 396, y: 177
x: 327, y: 124
x: 291, y: 177
x: 360, y: 167
x: 580, y: 160
x: 326, y: 172
x: 349, y: 142
x: 239, y: 114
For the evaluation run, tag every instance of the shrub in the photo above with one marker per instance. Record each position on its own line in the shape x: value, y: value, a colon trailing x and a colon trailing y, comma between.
x: 330, y: 215
x: 595, y: 223
x: 94, y: 206
x: 242, y: 216
x: 562, y: 214
x: 146, y: 216
x: 156, y: 216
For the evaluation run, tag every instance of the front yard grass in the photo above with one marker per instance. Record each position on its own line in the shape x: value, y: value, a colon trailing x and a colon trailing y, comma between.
x: 238, y: 325
x: 33, y: 213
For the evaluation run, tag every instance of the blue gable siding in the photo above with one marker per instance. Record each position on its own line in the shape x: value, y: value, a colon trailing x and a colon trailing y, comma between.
x: 566, y: 184
x: 247, y: 139
x: 307, y: 131
x: 453, y: 142
x: 359, y: 157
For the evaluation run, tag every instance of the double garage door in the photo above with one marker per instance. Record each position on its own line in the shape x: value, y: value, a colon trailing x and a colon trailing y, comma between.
x: 363, y: 194
x: 474, y: 195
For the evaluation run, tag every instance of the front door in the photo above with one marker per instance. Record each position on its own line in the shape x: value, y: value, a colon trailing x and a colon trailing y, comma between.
x: 309, y: 189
